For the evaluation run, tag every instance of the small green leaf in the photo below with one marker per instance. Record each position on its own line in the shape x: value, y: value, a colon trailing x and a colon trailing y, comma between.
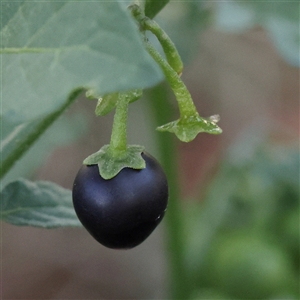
x: 110, y: 166
x: 40, y: 204
x: 153, y: 7
x: 186, y: 129
x: 108, y: 102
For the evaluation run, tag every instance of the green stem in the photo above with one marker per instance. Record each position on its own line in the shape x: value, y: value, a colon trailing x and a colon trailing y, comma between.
x: 112, y: 158
x: 179, y: 278
x: 185, y: 102
x: 168, y: 46
x: 118, y: 141
x: 33, y: 132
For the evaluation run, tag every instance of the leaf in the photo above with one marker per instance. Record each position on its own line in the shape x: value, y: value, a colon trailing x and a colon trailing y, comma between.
x: 50, y: 48
x: 21, y: 137
x: 153, y: 7
x: 64, y: 131
x: 108, y: 102
x: 40, y: 204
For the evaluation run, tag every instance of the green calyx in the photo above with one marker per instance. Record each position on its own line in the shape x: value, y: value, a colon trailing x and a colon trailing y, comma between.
x: 190, y: 123
x: 187, y: 128
x: 110, y: 165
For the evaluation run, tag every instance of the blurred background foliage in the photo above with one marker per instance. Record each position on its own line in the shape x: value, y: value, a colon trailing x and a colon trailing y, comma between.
x: 279, y: 19
x: 243, y: 240
x: 235, y: 232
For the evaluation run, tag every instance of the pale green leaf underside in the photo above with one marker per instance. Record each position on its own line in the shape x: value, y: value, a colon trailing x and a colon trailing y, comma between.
x: 40, y: 204
x: 153, y: 7
x: 64, y: 131
x: 49, y: 48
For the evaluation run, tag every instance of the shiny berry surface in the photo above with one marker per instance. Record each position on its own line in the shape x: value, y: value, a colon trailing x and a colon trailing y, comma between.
x: 123, y: 211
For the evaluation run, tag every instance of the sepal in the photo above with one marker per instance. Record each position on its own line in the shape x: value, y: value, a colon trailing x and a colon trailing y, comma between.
x: 110, y: 165
x: 187, y: 128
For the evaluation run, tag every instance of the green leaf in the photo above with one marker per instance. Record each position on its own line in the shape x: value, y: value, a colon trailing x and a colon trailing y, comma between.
x: 41, y: 204
x: 108, y: 102
x: 66, y: 130
x: 16, y: 143
x: 50, y: 48
x: 153, y: 7
x: 20, y: 138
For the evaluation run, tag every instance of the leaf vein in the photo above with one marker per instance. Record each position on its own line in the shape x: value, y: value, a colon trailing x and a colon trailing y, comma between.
x: 31, y: 39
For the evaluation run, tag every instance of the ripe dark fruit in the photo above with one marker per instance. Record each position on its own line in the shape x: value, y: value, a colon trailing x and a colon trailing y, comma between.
x: 123, y: 211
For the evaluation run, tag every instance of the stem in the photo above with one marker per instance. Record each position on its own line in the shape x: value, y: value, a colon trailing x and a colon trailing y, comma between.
x: 168, y: 46
x: 185, y: 102
x: 118, y: 141
x: 32, y: 134
x: 179, y: 278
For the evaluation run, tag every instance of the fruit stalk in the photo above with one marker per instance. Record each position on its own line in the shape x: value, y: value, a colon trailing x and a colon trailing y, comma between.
x: 183, y: 96
x: 167, y: 44
x: 118, y: 141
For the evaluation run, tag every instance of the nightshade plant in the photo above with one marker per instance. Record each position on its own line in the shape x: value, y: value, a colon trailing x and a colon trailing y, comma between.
x: 118, y: 155
x: 99, y: 208
x: 53, y: 51
x: 49, y: 50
